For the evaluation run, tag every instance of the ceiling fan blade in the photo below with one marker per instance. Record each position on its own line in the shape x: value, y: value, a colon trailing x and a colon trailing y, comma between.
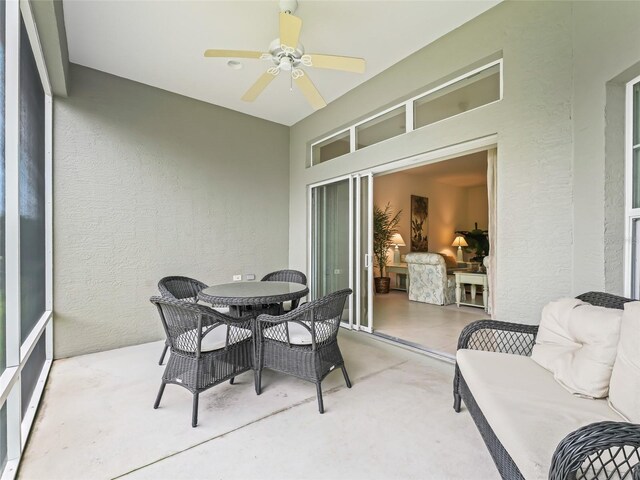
x: 257, y: 88
x: 310, y: 92
x: 290, y: 27
x: 335, y: 62
x: 232, y: 53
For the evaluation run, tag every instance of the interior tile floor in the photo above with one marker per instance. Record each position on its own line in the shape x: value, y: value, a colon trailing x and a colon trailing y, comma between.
x: 431, y: 326
x: 96, y: 421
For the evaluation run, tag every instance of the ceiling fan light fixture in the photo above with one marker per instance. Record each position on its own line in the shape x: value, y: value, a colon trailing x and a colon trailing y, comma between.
x: 286, y: 64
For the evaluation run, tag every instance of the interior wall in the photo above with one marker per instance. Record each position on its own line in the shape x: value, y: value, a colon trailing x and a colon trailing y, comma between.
x: 532, y: 123
x: 148, y: 184
x: 451, y: 208
x: 477, y: 208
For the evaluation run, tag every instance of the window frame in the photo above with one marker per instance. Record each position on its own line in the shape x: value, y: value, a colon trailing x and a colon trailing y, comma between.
x: 631, y: 214
x: 17, y: 352
x: 409, y: 106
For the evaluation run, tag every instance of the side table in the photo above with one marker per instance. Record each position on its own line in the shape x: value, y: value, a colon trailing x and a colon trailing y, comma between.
x: 472, y: 279
x: 401, y: 270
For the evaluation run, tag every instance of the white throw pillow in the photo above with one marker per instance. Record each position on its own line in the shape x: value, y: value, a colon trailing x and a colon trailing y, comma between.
x: 624, y: 389
x: 578, y: 343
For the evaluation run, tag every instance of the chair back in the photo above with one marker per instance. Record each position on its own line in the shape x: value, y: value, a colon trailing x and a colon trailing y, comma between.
x: 428, y: 280
x: 181, y: 288
x: 293, y: 276
x: 320, y: 317
x: 430, y: 268
x: 186, y: 323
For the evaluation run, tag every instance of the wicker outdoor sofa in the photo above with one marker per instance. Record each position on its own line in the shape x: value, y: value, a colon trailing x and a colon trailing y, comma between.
x: 597, y: 450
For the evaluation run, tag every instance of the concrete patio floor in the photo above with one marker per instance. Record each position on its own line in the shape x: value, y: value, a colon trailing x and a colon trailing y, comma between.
x: 96, y: 421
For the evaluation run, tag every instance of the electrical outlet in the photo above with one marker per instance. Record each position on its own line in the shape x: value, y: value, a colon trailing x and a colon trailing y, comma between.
x: 337, y: 271
x: 237, y: 278
x: 249, y: 277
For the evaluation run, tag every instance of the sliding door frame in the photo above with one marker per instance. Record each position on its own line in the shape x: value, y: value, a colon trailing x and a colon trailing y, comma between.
x: 355, y: 257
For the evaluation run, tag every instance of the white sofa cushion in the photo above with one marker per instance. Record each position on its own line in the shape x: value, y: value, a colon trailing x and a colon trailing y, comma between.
x: 527, y: 409
x: 578, y: 343
x: 624, y: 390
x: 214, y: 340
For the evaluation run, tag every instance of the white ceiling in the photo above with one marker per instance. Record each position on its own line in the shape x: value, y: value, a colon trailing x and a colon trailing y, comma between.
x: 161, y: 43
x: 466, y: 171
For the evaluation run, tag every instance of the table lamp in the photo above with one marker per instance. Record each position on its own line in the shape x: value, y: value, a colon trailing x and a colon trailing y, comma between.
x: 460, y: 242
x: 398, y: 241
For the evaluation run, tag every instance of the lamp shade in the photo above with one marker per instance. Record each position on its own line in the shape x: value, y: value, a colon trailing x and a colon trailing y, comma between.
x: 398, y: 240
x: 459, y: 242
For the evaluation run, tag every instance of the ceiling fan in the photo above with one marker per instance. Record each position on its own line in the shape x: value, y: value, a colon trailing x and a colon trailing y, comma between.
x: 287, y: 54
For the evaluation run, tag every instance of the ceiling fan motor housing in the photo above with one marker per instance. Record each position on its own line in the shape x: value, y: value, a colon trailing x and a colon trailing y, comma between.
x: 289, y: 6
x: 285, y: 58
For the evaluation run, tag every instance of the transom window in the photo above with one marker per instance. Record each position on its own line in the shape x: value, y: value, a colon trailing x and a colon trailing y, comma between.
x: 472, y: 90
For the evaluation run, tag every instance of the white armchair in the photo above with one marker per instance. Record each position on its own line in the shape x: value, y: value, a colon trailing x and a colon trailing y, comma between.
x: 428, y: 279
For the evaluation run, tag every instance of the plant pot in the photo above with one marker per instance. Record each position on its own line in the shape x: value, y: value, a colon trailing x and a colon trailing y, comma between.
x: 382, y: 284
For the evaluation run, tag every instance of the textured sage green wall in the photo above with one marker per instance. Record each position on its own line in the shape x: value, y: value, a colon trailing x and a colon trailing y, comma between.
x: 149, y: 183
x: 533, y: 125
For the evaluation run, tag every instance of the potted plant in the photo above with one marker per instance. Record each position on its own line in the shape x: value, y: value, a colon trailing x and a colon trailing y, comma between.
x: 478, y: 241
x: 385, y: 224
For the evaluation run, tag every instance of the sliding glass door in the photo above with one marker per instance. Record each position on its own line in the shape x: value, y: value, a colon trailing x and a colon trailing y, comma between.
x: 330, y: 239
x: 341, y: 244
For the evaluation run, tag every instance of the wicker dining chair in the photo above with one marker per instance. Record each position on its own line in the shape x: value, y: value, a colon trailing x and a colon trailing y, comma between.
x: 207, y: 347
x: 303, y: 342
x: 179, y: 288
x: 293, y: 276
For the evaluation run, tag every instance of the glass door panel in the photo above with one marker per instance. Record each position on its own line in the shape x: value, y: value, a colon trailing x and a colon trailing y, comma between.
x: 342, y: 243
x: 364, y: 240
x: 330, y: 234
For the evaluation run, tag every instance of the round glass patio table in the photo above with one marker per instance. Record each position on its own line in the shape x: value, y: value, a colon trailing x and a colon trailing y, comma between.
x: 252, y: 293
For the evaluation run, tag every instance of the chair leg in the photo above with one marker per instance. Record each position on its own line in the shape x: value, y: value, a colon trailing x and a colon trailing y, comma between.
x: 258, y: 381
x: 346, y: 376
x: 164, y: 352
x: 319, y: 393
x: 194, y: 414
x: 231, y: 380
x: 456, y: 402
x: 159, y: 396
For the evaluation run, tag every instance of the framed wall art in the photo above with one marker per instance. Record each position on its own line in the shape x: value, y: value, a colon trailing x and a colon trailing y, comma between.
x: 419, y: 223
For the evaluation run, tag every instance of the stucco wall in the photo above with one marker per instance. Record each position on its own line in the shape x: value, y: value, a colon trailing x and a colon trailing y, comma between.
x: 534, y: 129
x: 147, y: 184
x: 606, y: 56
